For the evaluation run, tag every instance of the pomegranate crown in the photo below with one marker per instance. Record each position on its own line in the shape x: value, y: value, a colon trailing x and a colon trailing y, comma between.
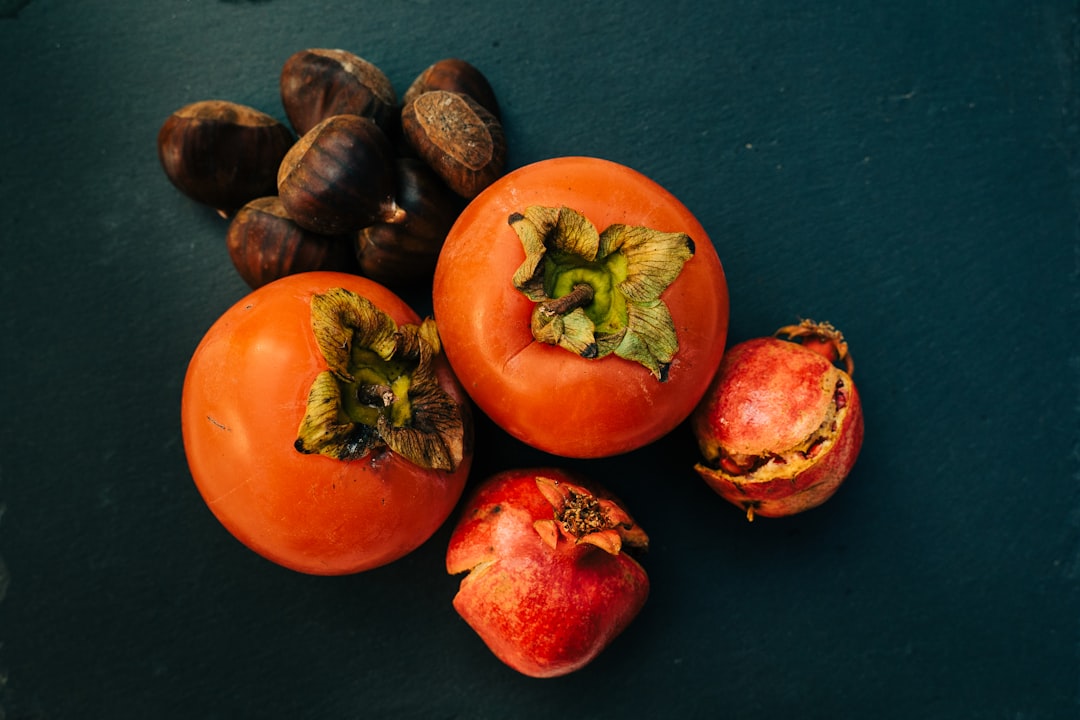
x: 580, y: 516
x: 822, y: 338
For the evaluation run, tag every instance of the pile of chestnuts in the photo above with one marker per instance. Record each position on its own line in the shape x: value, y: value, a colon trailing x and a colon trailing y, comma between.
x: 362, y: 182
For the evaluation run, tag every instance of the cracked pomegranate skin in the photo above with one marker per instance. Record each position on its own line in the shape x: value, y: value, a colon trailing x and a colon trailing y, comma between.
x: 543, y: 612
x: 788, y: 413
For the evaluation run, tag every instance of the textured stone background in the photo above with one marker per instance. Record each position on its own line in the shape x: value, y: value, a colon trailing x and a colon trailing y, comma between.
x: 904, y: 168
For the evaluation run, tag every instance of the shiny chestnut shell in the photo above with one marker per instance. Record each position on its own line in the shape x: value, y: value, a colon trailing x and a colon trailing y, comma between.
x: 404, y: 252
x: 455, y: 75
x: 460, y: 139
x: 221, y: 153
x: 339, y: 177
x: 265, y: 244
x: 318, y: 83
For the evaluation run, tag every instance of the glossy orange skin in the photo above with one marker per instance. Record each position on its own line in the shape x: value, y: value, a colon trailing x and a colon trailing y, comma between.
x: 544, y: 395
x: 243, y: 399
x: 543, y: 612
x: 767, y: 396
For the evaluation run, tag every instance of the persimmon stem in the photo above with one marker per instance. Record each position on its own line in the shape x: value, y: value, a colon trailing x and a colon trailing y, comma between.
x: 375, y: 395
x: 580, y: 296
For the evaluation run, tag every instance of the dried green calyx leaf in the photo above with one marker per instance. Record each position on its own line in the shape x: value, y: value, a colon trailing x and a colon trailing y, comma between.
x: 598, y: 293
x: 380, y: 389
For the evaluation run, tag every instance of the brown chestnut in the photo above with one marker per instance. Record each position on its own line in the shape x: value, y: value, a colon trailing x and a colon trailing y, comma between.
x: 459, y: 138
x: 455, y: 75
x: 339, y: 177
x: 318, y: 83
x: 265, y: 244
x: 403, y: 252
x: 222, y: 154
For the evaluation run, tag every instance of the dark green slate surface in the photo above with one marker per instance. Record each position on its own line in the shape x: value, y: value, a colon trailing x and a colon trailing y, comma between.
x: 907, y: 170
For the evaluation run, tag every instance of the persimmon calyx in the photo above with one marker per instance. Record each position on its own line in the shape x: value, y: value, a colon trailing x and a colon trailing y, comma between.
x: 579, y: 517
x: 598, y: 293
x: 379, y: 389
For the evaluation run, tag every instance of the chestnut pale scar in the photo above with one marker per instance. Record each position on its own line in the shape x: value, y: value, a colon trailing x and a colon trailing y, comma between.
x: 450, y: 123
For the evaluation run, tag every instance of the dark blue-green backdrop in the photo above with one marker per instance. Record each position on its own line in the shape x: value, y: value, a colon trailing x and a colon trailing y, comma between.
x: 904, y: 168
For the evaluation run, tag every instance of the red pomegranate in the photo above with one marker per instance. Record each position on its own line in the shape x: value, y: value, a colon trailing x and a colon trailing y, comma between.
x: 781, y: 426
x: 549, y: 582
